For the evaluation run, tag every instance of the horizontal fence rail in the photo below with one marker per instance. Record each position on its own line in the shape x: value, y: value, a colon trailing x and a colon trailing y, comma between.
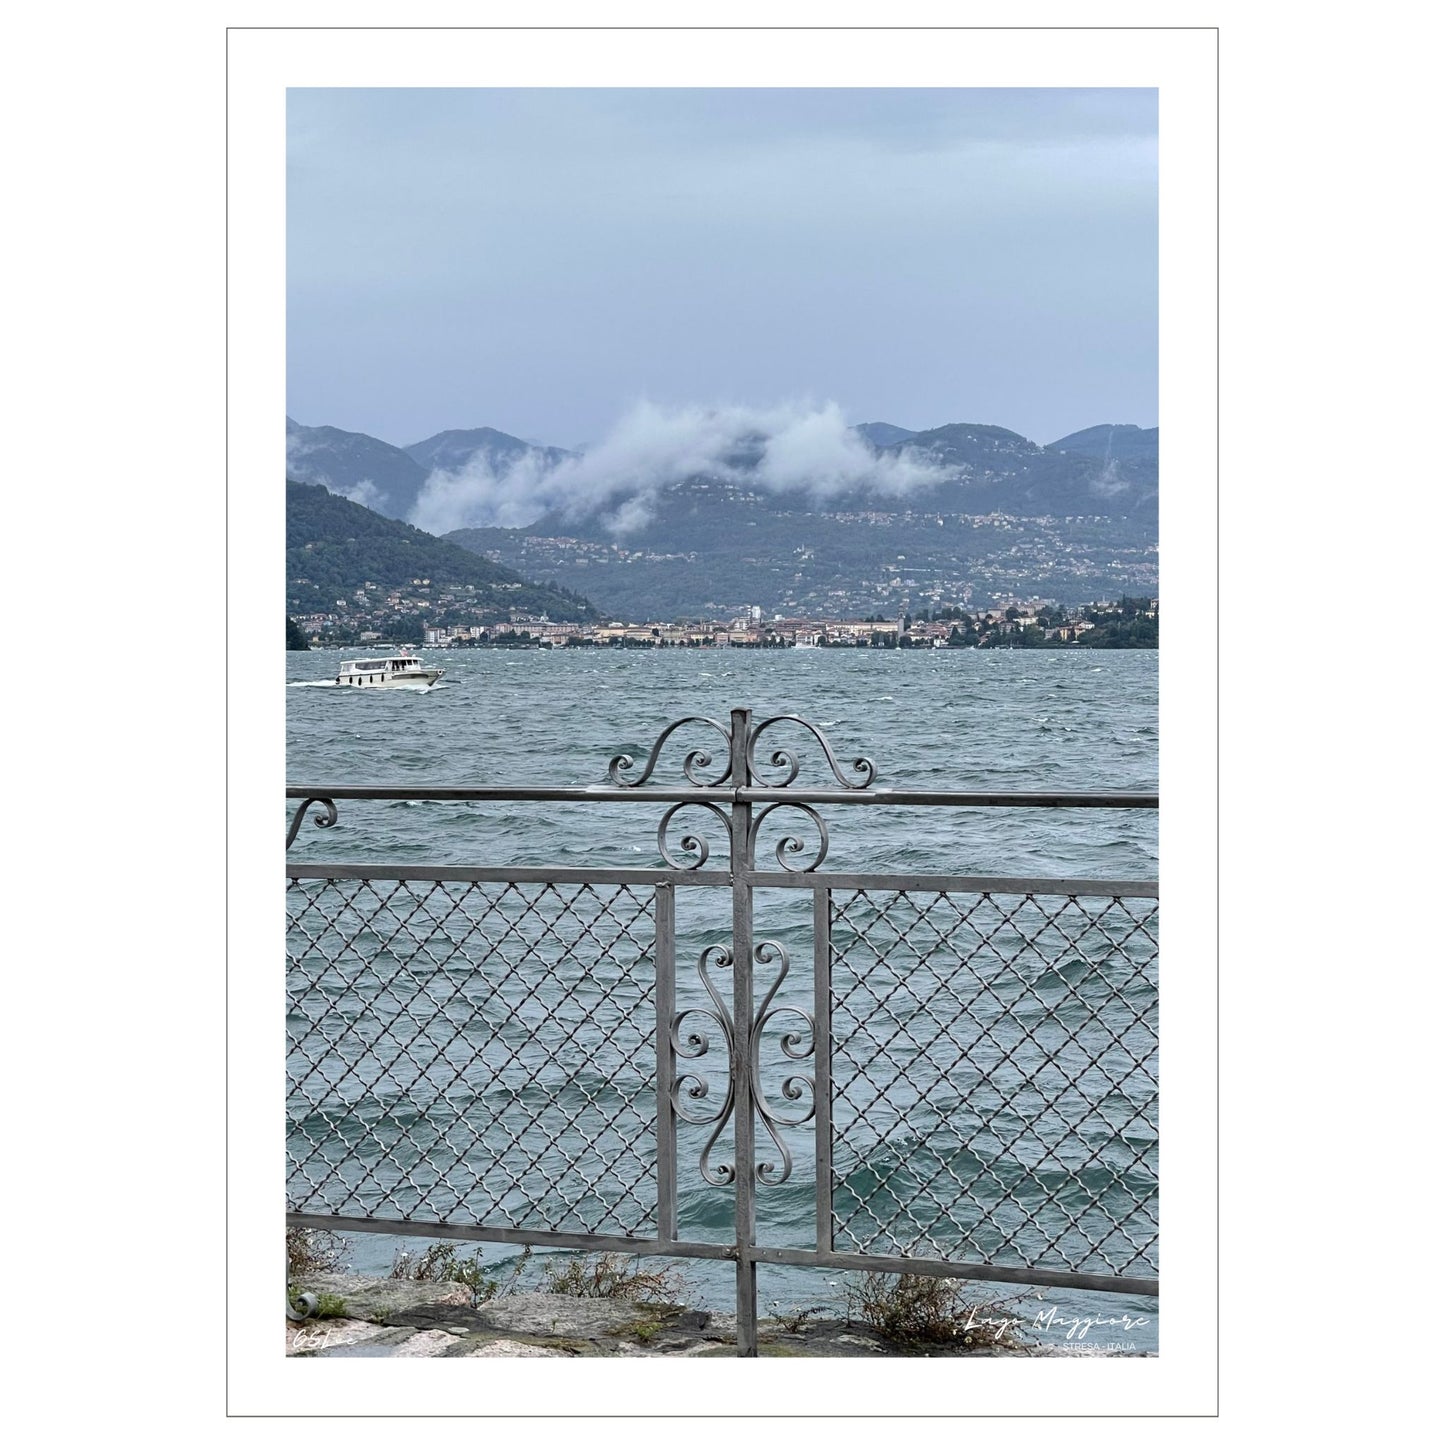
x: 882, y: 797
x: 964, y: 1074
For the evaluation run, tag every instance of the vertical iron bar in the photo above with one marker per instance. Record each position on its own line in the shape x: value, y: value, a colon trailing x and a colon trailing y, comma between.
x: 745, y: 1206
x: 823, y: 1063
x: 664, y: 906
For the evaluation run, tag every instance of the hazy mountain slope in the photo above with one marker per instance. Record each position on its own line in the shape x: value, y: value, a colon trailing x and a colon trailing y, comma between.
x: 354, y: 465
x: 334, y: 547
x: 883, y: 433
x: 999, y: 470
x: 1123, y: 443
x: 449, y: 451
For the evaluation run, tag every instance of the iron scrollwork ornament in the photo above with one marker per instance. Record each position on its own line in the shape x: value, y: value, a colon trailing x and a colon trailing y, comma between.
x: 691, y: 842
x: 620, y: 766
x: 692, y: 1087
x: 690, y: 1090
x: 326, y: 819
x: 860, y: 772
x: 796, y: 1043
x: 782, y: 757
x: 790, y: 844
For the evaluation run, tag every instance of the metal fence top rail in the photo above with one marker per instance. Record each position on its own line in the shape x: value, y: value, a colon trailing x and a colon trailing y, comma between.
x: 601, y: 793
x: 724, y: 878
x: 739, y: 775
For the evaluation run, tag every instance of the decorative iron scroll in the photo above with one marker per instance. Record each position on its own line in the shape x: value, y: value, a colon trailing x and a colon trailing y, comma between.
x: 689, y: 842
x: 862, y: 770
x: 787, y: 758
x: 697, y: 758
x: 796, y: 1043
x: 791, y: 843
x: 694, y: 1045
x: 323, y: 820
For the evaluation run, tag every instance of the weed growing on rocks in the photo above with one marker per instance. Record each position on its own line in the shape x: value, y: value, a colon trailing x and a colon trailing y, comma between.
x: 328, y: 1306
x: 440, y: 1263
x: 795, y: 1321
x: 314, y: 1251
x: 919, y: 1311
x: 613, y: 1276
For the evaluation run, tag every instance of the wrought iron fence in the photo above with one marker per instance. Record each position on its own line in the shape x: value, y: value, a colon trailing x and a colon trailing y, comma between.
x: 518, y: 1055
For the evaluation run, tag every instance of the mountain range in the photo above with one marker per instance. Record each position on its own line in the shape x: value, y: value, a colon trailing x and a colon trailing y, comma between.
x: 986, y: 514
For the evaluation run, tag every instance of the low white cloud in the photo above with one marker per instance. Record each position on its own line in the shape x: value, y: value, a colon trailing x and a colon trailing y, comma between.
x: 795, y: 448
x: 365, y: 492
x: 818, y: 453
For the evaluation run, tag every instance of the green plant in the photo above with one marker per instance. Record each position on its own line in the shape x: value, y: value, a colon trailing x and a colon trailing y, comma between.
x: 314, y: 1251
x: 613, y: 1276
x: 440, y: 1263
x: 508, y: 1285
x: 919, y: 1310
x: 328, y: 1306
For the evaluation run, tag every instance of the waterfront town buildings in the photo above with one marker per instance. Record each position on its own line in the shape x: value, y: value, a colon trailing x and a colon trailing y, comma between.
x: 357, y: 622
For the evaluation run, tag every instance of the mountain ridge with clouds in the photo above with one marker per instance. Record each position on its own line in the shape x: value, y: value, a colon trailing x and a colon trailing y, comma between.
x: 481, y: 477
x: 683, y: 510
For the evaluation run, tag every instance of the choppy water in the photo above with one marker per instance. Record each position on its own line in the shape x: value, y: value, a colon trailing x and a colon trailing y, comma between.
x: 944, y: 719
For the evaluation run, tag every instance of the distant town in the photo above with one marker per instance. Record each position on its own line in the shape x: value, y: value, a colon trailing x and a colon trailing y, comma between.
x: 858, y: 561
x: 1123, y: 622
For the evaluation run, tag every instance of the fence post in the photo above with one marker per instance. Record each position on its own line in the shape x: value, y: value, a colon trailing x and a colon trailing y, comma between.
x: 741, y: 863
x: 665, y: 996
x: 823, y: 1066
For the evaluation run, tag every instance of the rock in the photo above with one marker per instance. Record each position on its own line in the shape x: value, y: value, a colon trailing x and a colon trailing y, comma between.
x: 368, y: 1298
x: 405, y: 1318
x: 437, y: 1317
x: 316, y: 1335
x: 379, y: 1344
x: 425, y: 1343
x: 565, y: 1317
x: 721, y: 1327
x: 513, y: 1350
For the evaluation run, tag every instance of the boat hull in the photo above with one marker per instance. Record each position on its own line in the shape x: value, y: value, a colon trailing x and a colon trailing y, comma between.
x: 413, y: 681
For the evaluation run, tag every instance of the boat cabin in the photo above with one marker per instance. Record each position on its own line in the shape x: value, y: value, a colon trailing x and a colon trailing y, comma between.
x: 371, y: 671
x: 384, y: 664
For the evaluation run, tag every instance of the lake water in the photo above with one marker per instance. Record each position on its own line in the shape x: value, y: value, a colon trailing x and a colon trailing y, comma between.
x: 946, y: 719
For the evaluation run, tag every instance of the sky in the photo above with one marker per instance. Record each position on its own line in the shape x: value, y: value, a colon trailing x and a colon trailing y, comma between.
x: 547, y: 262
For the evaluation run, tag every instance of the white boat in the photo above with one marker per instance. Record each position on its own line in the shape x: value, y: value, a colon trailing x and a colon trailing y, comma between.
x: 403, y: 670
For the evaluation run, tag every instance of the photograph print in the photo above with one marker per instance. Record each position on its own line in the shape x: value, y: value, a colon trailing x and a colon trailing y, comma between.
x: 722, y: 732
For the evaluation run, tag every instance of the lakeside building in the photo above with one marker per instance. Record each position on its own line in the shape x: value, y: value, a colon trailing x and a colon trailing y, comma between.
x: 956, y: 627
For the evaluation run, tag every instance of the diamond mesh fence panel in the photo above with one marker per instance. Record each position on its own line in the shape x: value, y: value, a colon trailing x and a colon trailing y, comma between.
x: 472, y: 1053
x: 995, y: 1079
